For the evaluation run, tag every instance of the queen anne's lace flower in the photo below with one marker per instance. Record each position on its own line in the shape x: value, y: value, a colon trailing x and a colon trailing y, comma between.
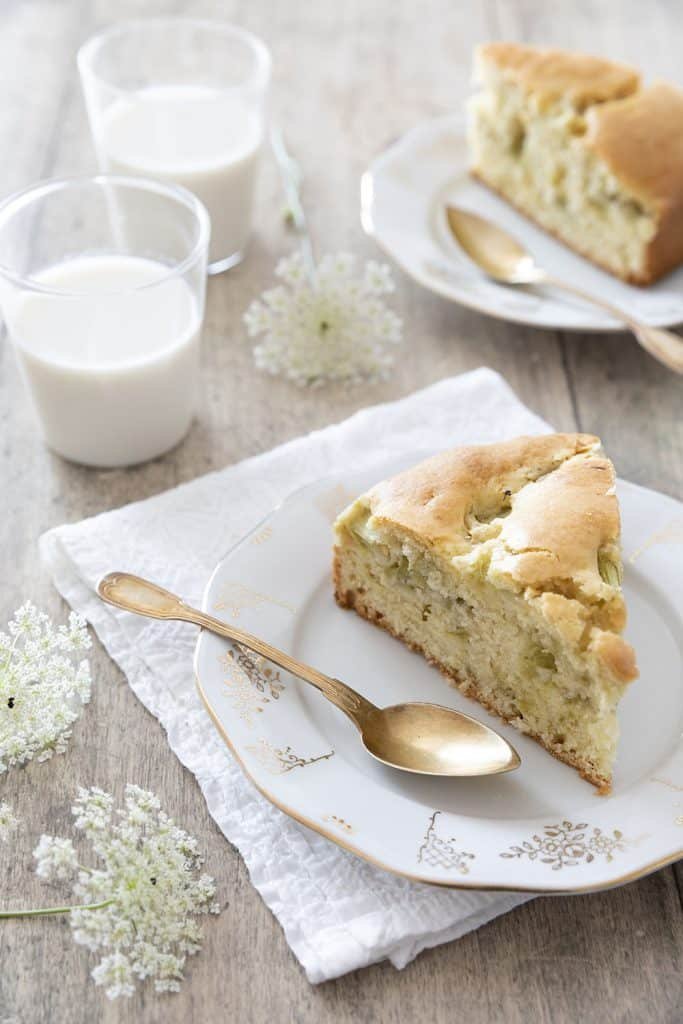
x: 146, y: 889
x: 9, y: 822
x: 42, y: 686
x: 56, y: 859
x: 92, y: 810
x: 116, y: 974
x: 327, y: 324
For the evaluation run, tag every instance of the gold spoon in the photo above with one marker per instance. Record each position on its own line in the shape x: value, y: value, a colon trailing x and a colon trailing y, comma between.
x: 423, y: 738
x: 502, y: 258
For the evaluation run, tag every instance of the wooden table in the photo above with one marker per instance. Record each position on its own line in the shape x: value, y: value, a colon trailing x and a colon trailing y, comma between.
x: 349, y: 77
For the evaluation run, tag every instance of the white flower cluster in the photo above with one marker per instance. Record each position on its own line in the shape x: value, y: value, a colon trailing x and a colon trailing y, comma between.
x: 42, y: 686
x: 144, y: 897
x: 327, y: 324
x: 9, y: 822
x: 57, y: 860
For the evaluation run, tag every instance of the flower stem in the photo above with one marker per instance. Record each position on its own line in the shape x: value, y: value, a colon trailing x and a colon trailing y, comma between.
x: 290, y: 183
x: 44, y: 911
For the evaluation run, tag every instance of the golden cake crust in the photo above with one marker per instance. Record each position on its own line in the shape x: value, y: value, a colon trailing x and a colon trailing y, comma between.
x: 554, y: 74
x: 641, y: 141
x: 545, y: 509
x: 432, y: 500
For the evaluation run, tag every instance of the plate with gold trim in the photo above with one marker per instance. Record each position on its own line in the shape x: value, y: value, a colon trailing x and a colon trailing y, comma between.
x: 538, y: 829
x: 404, y: 193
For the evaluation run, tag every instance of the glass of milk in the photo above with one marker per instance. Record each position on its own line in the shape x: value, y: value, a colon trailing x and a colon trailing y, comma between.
x: 183, y: 100
x: 102, y: 284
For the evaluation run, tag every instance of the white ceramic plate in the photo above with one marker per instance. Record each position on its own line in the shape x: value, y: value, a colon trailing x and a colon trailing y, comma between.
x: 403, y: 194
x: 540, y: 828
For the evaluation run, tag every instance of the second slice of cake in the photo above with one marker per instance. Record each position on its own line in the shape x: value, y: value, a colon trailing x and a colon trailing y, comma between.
x: 576, y: 144
x: 501, y: 564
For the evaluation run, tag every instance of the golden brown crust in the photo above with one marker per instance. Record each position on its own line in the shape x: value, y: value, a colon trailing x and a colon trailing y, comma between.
x: 616, y: 654
x: 649, y: 275
x: 541, y: 513
x: 640, y: 139
x: 567, y: 616
x: 555, y: 74
x: 432, y: 500
x: 352, y: 600
x: 560, y: 492
x: 559, y: 523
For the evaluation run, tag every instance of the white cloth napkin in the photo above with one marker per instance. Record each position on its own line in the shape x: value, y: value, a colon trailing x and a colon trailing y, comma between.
x: 338, y: 912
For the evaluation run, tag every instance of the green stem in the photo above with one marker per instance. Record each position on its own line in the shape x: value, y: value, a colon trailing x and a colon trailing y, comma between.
x: 44, y: 911
x: 290, y: 184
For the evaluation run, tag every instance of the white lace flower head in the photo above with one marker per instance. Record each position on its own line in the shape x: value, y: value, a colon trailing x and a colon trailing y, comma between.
x: 9, y: 822
x: 142, y: 899
x: 42, y: 685
x: 56, y: 859
x: 325, y: 324
x: 116, y: 974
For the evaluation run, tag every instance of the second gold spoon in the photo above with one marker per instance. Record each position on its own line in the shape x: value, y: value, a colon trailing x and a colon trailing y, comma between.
x: 504, y: 259
x: 423, y: 738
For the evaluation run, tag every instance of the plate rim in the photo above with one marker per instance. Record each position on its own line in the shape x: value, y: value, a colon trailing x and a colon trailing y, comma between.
x: 431, y: 283
x: 445, y: 883
x: 350, y: 847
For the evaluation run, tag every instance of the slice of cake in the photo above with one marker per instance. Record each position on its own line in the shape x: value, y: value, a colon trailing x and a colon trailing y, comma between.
x: 501, y: 564
x: 576, y: 144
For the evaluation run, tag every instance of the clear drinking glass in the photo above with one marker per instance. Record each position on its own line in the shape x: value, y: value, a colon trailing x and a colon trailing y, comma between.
x: 102, y: 284
x: 183, y: 100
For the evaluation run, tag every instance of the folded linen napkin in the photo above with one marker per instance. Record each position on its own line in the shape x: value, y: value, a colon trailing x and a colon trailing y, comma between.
x: 338, y: 912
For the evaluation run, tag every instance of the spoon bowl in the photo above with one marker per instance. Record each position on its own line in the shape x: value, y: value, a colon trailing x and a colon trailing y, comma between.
x: 494, y: 250
x: 424, y: 738
x: 432, y: 740
x: 504, y: 259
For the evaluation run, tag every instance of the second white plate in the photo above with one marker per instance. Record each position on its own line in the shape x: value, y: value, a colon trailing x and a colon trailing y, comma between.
x: 403, y: 195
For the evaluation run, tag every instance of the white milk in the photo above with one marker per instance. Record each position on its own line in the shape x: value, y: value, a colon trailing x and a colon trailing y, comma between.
x: 205, y: 139
x: 113, y: 373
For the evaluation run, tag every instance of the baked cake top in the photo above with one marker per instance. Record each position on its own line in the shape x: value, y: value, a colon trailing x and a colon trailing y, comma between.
x: 536, y: 515
x: 641, y: 141
x: 557, y: 74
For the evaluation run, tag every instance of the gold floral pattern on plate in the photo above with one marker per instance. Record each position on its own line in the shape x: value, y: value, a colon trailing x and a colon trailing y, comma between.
x: 672, y: 533
x: 262, y: 536
x: 438, y: 852
x: 668, y: 783
x: 340, y: 823
x: 236, y: 598
x: 251, y: 682
x: 332, y: 502
x: 566, y: 846
x: 280, y: 760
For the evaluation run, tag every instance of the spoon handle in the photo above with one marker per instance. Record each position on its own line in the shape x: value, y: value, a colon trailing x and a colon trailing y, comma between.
x: 135, y: 594
x: 664, y: 345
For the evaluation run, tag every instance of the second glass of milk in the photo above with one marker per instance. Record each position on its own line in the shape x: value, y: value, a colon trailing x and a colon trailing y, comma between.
x: 102, y: 284
x: 183, y: 100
